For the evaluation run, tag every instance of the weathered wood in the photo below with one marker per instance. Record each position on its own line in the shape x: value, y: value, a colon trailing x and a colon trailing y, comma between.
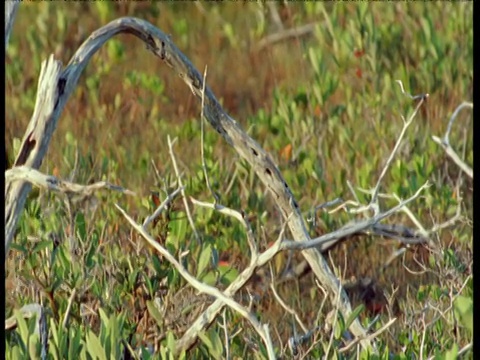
x: 49, y: 182
x: 35, y: 143
x: 55, y: 86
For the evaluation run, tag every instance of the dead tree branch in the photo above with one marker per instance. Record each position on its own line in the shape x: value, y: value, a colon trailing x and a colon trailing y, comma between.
x: 406, y: 124
x: 48, y: 182
x: 56, y: 85
x: 261, y: 329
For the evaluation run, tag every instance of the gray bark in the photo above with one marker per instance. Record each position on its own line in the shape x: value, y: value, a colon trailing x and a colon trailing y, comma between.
x: 57, y: 83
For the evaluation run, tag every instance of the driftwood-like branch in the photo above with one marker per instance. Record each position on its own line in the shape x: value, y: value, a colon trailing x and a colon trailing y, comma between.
x: 35, y: 141
x: 49, y: 182
x: 55, y: 87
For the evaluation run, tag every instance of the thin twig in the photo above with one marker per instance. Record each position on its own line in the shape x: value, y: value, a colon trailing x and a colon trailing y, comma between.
x: 225, y: 331
x: 326, y: 240
x: 69, y: 308
x: 371, y: 336
x: 202, y: 287
x: 252, y: 243
x: 286, y: 307
x: 202, y: 138
x: 272, y: 7
x: 162, y: 206
x: 180, y: 183
x: 294, y: 342
x: 313, y: 212
x: 424, y: 333
x: 374, y: 201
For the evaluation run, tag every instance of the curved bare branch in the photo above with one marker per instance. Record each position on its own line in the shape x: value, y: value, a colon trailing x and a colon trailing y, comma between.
x: 55, y: 87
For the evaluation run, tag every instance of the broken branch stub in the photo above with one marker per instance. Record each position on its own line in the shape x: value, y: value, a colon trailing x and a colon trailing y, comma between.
x: 35, y: 143
x: 161, y: 45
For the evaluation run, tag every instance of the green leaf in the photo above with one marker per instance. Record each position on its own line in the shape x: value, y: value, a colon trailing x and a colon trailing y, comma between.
x: 182, y: 355
x: 230, y: 33
x: 75, y: 344
x: 83, y: 352
x: 164, y: 353
x: 215, y: 257
x: 314, y: 60
x: 81, y: 227
x: 464, y: 309
x: 94, y: 347
x: 34, y: 346
x: 104, y: 10
x: 157, y: 265
x: 57, y: 347
x: 16, y: 353
x: 178, y: 230
x: 452, y: 353
x: 171, y: 343
x: 70, y: 138
x: 205, y: 339
x: 210, y: 278
x: 217, y: 343
x: 228, y: 274
x: 422, y: 292
x: 204, y: 259
x: 114, y: 327
x: 22, y: 327
x: 154, y: 312
x: 41, y: 245
x: 355, y: 313
x: 211, y: 341
x: 103, y: 315
x: 146, y: 354
x: 340, y: 328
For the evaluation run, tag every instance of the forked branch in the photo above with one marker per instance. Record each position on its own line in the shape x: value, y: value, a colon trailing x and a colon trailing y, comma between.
x: 57, y: 83
x: 445, y: 141
x: 261, y: 329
